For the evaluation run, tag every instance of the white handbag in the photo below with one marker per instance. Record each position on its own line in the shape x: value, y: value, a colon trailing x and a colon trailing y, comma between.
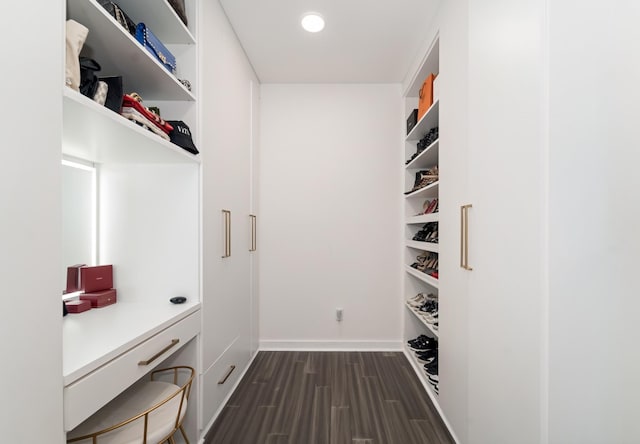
x: 76, y: 34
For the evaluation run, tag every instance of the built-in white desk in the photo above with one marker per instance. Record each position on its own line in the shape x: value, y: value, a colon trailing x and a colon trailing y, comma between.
x: 104, y: 349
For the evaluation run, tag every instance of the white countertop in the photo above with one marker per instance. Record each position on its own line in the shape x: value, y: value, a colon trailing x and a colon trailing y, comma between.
x: 97, y: 336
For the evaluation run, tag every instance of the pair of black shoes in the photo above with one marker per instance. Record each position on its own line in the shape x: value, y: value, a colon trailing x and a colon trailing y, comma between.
x: 427, y: 356
x: 428, y: 139
x: 423, y: 343
x: 429, y: 307
x: 428, y: 233
x: 424, y: 143
x: 431, y: 369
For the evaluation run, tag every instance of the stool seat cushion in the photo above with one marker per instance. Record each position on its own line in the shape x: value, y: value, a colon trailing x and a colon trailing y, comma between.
x: 161, y: 423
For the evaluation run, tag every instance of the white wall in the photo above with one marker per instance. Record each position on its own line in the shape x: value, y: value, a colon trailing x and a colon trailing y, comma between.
x: 594, y: 217
x: 30, y: 225
x: 330, y: 226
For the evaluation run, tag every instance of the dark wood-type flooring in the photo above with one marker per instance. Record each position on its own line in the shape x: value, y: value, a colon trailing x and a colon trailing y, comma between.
x: 332, y: 398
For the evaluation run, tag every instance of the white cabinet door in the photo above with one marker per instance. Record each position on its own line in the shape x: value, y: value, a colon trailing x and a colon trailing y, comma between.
x: 255, y: 211
x: 506, y: 188
x: 454, y: 172
x: 30, y: 226
x: 226, y: 152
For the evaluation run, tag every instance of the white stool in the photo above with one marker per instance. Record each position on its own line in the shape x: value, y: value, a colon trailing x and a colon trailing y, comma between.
x: 149, y: 414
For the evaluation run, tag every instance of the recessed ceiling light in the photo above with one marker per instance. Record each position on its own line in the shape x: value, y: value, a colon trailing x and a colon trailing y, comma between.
x: 313, y: 22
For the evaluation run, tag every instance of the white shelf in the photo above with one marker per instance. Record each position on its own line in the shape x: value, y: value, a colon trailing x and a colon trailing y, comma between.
x: 428, y: 121
x: 95, y: 133
x: 422, y: 276
x: 424, y: 246
x: 119, y: 54
x: 422, y: 375
x: 423, y: 218
x: 160, y: 17
x: 427, y: 158
x: 428, y: 191
x: 415, y: 312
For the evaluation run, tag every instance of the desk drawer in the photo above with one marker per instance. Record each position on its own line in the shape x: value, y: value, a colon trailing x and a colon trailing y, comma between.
x: 223, y: 375
x: 85, y: 396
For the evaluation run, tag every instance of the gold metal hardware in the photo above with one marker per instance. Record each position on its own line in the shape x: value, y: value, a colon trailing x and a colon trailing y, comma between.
x: 227, y: 234
x: 225, y: 377
x: 464, y: 237
x: 157, y: 355
x: 254, y: 233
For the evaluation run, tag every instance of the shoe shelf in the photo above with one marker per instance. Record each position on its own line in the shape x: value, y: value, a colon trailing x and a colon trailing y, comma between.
x: 427, y: 158
x: 422, y: 276
x: 87, y: 125
x: 428, y: 121
x: 119, y: 54
x: 417, y: 314
x: 419, y: 369
x: 428, y: 191
x: 422, y: 219
x: 424, y: 246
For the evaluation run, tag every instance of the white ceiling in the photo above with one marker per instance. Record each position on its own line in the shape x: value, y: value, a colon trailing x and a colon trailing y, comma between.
x: 364, y: 41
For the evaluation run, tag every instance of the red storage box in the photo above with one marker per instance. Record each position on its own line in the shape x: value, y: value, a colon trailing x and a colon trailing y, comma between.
x: 101, y: 298
x: 77, y: 306
x: 96, y: 278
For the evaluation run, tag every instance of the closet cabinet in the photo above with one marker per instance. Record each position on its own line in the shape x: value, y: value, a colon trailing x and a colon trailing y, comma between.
x: 491, y: 253
x: 30, y: 228
x: 228, y: 112
x: 148, y: 213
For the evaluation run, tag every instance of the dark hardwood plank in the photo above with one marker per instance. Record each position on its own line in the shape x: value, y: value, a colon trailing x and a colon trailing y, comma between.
x: 329, y: 398
x: 340, y: 427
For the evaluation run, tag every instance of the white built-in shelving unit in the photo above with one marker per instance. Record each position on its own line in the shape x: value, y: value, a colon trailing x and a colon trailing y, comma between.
x: 416, y: 281
x: 148, y: 206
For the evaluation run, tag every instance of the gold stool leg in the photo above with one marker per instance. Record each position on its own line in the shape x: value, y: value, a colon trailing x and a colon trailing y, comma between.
x: 184, y: 434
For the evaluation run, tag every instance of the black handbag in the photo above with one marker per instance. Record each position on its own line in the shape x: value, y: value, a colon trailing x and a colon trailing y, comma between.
x: 121, y: 17
x: 88, y: 77
x: 178, y: 6
x: 115, y: 93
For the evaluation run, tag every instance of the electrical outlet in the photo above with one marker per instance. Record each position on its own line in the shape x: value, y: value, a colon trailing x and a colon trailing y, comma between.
x: 339, y: 314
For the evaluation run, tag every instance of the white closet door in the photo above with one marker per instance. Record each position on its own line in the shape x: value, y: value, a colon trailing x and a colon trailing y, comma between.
x: 255, y: 211
x: 226, y: 150
x: 454, y: 193
x: 505, y: 234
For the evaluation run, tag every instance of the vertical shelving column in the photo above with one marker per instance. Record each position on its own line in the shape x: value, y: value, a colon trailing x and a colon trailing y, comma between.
x: 421, y: 216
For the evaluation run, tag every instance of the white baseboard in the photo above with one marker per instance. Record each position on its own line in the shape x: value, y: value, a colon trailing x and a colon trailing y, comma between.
x: 395, y: 346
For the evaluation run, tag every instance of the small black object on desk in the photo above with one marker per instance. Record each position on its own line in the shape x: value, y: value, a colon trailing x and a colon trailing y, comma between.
x: 178, y: 300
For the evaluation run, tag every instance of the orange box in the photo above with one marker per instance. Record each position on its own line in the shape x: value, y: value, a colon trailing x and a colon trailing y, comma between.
x: 426, y: 96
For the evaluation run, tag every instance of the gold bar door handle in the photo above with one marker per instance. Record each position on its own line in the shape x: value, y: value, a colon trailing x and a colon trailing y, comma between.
x: 464, y: 237
x: 254, y: 233
x: 227, y: 233
x: 160, y: 353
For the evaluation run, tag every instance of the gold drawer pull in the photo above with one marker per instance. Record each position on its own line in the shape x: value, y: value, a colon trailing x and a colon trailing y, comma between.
x: 254, y: 234
x: 157, y: 355
x: 227, y: 234
x: 464, y: 237
x: 224, y: 379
